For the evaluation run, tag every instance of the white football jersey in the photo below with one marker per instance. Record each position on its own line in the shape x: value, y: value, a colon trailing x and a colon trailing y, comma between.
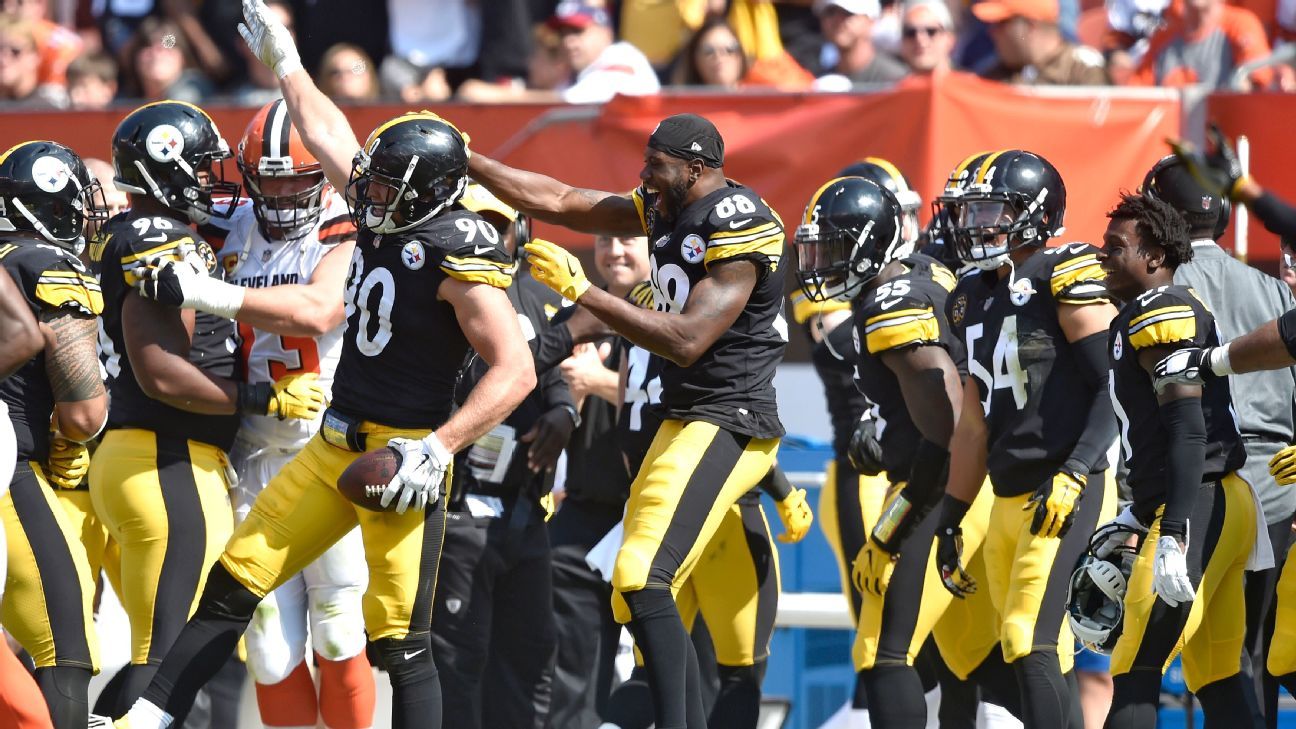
x: 250, y: 259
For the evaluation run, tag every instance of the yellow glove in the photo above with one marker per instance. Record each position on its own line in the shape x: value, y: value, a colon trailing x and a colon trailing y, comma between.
x: 796, y: 516
x: 554, y: 267
x: 296, y: 396
x: 1054, y: 503
x: 873, y: 568
x: 68, y: 463
x: 1283, y: 466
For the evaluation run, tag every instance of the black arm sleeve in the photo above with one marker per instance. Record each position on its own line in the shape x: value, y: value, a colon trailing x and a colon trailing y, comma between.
x: 1287, y: 331
x: 926, y: 483
x: 1100, y: 424
x: 1277, y: 216
x: 1186, y: 459
x: 554, y: 391
x: 776, y: 484
x: 552, y: 346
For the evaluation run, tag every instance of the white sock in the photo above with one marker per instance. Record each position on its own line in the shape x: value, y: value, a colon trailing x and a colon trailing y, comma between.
x: 859, y: 719
x: 144, y: 715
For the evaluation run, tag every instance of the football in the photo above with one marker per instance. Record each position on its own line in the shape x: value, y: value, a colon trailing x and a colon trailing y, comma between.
x: 364, y: 480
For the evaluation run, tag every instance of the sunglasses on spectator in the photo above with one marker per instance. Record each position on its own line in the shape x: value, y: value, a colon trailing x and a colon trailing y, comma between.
x: 909, y: 32
x: 728, y: 49
x: 15, y: 51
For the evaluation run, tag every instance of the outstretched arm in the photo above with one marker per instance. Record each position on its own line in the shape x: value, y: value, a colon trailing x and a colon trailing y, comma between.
x: 301, y: 310
x: 323, y: 127
x: 547, y: 199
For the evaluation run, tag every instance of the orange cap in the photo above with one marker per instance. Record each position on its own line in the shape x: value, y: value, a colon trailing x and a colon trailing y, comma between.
x: 997, y: 11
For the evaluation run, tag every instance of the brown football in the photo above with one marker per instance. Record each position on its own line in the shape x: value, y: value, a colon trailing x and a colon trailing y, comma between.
x: 364, y: 480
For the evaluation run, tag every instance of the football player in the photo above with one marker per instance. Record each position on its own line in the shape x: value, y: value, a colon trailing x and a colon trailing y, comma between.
x: 21, y: 703
x: 1182, y: 447
x: 426, y: 282
x: 849, y: 248
x: 49, y: 198
x: 717, y: 285
x: 285, y: 258
x: 160, y: 477
x: 1034, y: 321
x: 735, y: 585
x: 887, y: 175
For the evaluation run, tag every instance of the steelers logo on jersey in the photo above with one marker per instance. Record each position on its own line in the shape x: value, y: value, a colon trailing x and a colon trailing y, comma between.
x: 1118, y: 346
x: 50, y: 174
x: 164, y: 143
x: 413, y: 255
x: 959, y: 310
x: 693, y: 249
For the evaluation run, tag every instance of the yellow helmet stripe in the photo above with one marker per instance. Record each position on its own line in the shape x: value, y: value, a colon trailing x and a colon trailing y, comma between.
x: 901, y: 183
x: 407, y: 116
x: 14, y: 148
x: 814, y: 199
x: 986, y: 165
x: 195, y: 107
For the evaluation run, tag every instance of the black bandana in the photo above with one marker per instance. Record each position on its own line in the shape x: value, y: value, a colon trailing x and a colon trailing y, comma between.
x: 689, y: 136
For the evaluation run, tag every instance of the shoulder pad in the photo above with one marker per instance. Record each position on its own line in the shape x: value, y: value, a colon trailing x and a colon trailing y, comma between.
x: 741, y: 225
x: 1074, y: 274
x: 54, y: 278
x: 1162, y: 316
x: 336, y: 225
x: 470, y: 249
x: 896, y: 316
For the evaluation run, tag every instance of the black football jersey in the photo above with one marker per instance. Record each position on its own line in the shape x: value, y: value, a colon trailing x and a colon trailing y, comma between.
x: 906, y: 311
x: 640, y: 415
x: 52, y: 280
x: 403, y: 349
x: 1169, y: 315
x: 120, y: 246
x: 833, y: 357
x: 732, y: 383
x: 1030, y: 386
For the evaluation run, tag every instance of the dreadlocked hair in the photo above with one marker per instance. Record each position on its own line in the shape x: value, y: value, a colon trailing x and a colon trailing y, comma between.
x: 1157, y: 223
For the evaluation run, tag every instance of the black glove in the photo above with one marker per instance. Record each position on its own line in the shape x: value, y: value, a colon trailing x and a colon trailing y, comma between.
x: 949, y: 548
x: 865, y: 452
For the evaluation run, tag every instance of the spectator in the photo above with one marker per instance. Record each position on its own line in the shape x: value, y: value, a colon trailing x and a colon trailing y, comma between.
x: 712, y: 57
x: 92, y: 81
x: 57, y: 45
x: 848, y: 56
x: 1287, y: 261
x: 1204, y: 44
x: 1126, y: 33
x: 427, y: 35
x: 19, y: 59
x: 1031, y: 49
x: 603, y: 68
x: 160, y: 66
x: 548, y: 72
x: 322, y: 24
x: 927, y: 37
x: 346, y: 73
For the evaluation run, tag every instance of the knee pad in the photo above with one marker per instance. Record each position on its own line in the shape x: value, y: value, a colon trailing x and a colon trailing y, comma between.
x: 408, y: 661
x: 271, y: 660
x: 337, y: 624
x: 226, y: 598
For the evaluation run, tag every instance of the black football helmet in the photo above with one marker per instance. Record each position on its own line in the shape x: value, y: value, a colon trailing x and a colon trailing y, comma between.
x: 1170, y: 182
x: 889, y: 176
x: 45, y: 188
x: 1013, y: 199
x: 421, y: 162
x: 850, y: 230
x: 164, y: 149
x: 945, y: 212
x: 1096, y: 595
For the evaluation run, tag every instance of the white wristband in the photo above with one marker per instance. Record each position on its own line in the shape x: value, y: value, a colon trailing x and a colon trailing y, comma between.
x: 287, y: 66
x: 1219, y: 360
x: 215, y: 297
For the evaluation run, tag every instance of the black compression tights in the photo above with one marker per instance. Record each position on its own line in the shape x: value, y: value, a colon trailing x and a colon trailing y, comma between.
x: 666, y: 647
x: 895, y: 697
x: 66, y: 690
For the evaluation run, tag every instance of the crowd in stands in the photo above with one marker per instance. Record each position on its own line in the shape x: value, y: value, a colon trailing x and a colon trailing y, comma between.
x: 89, y: 54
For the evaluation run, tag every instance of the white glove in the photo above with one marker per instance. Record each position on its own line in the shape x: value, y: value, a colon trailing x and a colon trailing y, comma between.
x: 268, y: 39
x: 184, y: 284
x: 422, y: 469
x: 1170, y: 573
x: 1115, y: 533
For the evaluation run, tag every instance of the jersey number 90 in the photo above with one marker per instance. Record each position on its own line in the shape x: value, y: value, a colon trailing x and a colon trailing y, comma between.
x: 378, y: 282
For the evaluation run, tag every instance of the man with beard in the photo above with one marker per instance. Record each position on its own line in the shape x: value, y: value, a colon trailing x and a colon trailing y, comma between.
x: 717, y: 288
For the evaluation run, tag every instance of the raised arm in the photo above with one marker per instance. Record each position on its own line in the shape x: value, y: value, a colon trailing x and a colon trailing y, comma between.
x: 323, y: 127
x: 547, y: 199
x: 18, y: 328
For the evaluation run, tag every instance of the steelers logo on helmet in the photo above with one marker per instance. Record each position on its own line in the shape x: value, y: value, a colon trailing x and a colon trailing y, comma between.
x: 692, y: 248
x: 164, y: 143
x: 413, y: 256
x: 50, y: 173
